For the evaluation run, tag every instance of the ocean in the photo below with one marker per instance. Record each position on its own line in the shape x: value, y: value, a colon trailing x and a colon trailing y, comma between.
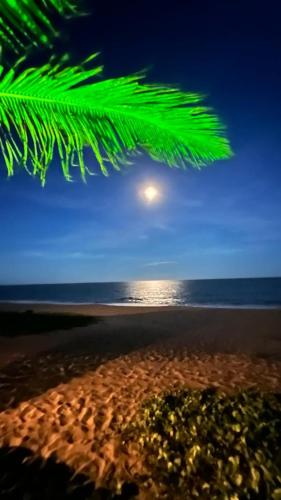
x: 243, y: 292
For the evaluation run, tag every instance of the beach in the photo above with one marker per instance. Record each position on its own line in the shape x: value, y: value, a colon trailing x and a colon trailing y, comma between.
x: 68, y: 393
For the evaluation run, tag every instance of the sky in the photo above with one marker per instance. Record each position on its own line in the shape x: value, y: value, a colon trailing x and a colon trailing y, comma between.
x: 223, y: 221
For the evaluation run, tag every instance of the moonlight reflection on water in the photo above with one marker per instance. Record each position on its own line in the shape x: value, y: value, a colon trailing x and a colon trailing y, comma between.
x: 158, y: 292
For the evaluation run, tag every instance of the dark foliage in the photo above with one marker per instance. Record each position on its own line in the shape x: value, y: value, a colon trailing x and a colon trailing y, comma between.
x: 205, y: 444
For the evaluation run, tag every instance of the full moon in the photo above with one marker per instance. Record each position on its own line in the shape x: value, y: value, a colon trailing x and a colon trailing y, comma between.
x: 151, y: 193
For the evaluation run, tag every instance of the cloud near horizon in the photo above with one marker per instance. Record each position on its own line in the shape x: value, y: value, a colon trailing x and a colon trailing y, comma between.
x: 159, y: 263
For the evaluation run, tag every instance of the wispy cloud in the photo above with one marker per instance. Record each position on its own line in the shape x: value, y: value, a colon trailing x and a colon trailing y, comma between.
x: 45, y: 254
x: 192, y: 203
x: 93, y: 237
x: 160, y: 263
x: 67, y: 201
x: 161, y: 226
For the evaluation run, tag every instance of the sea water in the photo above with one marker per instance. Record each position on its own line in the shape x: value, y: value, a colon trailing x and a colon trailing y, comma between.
x: 243, y: 292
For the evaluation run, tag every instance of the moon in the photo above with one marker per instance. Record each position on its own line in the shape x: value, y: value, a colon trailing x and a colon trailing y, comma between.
x: 151, y: 193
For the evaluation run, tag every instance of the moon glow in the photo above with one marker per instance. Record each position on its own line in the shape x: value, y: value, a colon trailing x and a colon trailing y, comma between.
x: 151, y: 193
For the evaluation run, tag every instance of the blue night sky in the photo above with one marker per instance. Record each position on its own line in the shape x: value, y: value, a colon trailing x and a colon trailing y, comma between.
x: 221, y: 222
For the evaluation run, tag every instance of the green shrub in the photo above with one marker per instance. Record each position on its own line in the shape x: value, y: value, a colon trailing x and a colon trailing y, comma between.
x: 206, y: 444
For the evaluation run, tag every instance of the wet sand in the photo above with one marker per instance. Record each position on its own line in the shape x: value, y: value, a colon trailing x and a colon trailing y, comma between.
x: 69, y: 392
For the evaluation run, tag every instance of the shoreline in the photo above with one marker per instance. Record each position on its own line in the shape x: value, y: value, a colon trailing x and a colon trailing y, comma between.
x: 138, y: 305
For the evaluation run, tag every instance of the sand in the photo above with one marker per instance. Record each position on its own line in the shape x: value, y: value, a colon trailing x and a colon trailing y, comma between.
x: 68, y: 393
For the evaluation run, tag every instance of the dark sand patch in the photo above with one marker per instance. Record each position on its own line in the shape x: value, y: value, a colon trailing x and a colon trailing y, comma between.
x: 28, y: 322
x: 23, y: 475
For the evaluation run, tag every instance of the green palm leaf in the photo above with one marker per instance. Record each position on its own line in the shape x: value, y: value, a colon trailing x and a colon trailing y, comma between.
x: 28, y: 22
x: 58, y: 108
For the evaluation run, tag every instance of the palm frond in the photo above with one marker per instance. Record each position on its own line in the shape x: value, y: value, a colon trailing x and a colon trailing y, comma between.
x: 57, y: 108
x: 28, y: 22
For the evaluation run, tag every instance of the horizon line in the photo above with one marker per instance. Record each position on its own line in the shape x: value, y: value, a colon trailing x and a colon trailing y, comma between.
x: 137, y: 280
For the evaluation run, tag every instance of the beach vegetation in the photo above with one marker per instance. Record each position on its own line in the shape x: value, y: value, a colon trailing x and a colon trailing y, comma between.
x: 206, y: 444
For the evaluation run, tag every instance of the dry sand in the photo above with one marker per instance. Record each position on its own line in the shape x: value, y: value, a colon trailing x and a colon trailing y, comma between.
x: 69, y: 392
